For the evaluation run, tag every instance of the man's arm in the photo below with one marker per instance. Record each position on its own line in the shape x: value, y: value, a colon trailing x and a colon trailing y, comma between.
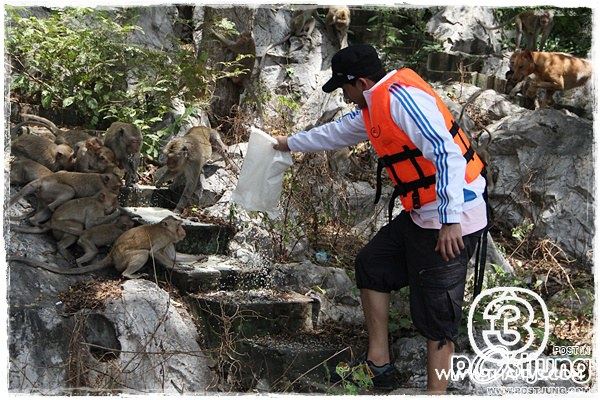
x: 345, y: 131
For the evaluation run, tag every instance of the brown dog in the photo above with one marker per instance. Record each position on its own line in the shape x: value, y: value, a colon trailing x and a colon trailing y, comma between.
x: 547, y: 70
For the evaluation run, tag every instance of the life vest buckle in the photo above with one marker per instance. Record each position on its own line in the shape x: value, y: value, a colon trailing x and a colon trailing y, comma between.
x: 416, y: 199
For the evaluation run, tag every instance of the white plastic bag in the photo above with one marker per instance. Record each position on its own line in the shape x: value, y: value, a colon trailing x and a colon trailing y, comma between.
x: 261, y: 179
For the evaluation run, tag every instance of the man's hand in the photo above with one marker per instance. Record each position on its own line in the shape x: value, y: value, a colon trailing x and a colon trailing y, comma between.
x: 281, y: 143
x: 450, y: 241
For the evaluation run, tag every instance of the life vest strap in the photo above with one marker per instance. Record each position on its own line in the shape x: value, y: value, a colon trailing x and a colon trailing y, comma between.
x: 389, y: 161
x: 404, y: 188
x: 454, y: 129
x: 470, y: 153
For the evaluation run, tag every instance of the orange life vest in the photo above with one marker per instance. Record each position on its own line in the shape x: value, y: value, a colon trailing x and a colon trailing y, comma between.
x: 412, y: 174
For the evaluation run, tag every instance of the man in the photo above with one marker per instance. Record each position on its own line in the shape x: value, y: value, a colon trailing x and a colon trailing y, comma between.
x: 436, y: 174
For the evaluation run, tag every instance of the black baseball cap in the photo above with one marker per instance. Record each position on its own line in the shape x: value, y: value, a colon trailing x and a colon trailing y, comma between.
x: 357, y: 61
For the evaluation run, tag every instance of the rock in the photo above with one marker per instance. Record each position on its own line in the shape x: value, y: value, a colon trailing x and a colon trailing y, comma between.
x: 159, y: 349
x: 411, y: 360
x: 488, y: 106
x: 581, y: 299
x: 337, y: 294
x: 296, y: 65
x: 458, y: 29
x: 38, y: 333
x: 579, y: 100
x: 544, y: 162
x: 157, y: 27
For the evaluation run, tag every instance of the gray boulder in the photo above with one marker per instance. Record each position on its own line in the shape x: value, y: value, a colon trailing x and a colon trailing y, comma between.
x: 458, y: 29
x: 545, y: 167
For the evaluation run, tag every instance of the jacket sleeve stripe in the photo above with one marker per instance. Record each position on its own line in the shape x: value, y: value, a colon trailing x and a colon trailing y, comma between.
x: 429, y: 133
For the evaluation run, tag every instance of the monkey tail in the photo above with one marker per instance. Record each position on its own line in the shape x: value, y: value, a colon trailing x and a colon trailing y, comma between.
x: 41, y: 120
x: 29, y: 229
x: 28, y: 189
x: 23, y: 216
x: 56, y: 269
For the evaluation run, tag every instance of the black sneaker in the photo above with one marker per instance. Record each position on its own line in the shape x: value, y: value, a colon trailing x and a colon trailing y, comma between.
x: 384, y: 377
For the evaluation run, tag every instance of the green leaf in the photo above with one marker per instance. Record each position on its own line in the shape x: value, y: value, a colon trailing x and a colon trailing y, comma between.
x: 46, y: 99
x: 92, y: 103
x: 68, y: 101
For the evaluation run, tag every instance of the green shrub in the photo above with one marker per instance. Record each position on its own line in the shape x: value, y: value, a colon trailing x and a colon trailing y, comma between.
x: 82, y: 59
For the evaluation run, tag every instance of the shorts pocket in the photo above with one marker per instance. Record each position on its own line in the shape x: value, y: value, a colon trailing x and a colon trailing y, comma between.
x: 442, y: 290
x: 444, y: 276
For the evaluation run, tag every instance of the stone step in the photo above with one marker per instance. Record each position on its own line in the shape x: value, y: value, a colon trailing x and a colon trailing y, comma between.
x: 164, y: 197
x: 201, y: 238
x: 217, y: 272
x: 478, y: 79
x: 249, y: 313
x: 302, y: 362
x: 454, y: 62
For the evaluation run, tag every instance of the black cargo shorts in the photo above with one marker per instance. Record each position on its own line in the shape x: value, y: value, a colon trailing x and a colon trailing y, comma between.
x: 402, y: 253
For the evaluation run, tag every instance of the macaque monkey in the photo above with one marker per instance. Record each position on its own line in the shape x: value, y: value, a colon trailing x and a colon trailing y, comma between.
x: 43, y: 151
x: 186, y: 155
x: 72, y: 137
x: 75, y: 216
x: 243, y: 46
x: 93, y: 156
x: 102, y: 235
x: 24, y: 170
x: 60, y: 187
x: 125, y: 140
x: 531, y: 24
x: 303, y: 23
x: 131, y: 250
x: 339, y: 18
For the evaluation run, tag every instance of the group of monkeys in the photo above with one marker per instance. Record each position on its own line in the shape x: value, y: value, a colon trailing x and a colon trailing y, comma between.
x: 75, y: 177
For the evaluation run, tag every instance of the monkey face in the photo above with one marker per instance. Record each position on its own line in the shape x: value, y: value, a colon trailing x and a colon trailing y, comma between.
x: 133, y: 145
x: 174, y: 162
x: 177, y: 154
x: 180, y: 232
x: 174, y: 226
x: 125, y: 222
x: 105, y: 159
x: 109, y: 201
x: 132, y: 138
x: 64, y: 157
x: 112, y: 182
x: 544, y: 19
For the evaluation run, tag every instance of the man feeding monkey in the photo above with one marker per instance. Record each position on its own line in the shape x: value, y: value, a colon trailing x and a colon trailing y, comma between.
x: 438, y: 179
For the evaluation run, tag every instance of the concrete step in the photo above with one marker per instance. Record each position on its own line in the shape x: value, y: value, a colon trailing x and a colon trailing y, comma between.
x: 201, y: 238
x: 248, y: 313
x: 217, y: 272
x: 302, y: 362
x: 474, y: 78
x: 453, y: 62
x: 164, y: 197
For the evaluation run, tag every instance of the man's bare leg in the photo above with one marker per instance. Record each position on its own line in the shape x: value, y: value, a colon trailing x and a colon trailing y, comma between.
x: 376, y: 307
x: 438, y: 359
